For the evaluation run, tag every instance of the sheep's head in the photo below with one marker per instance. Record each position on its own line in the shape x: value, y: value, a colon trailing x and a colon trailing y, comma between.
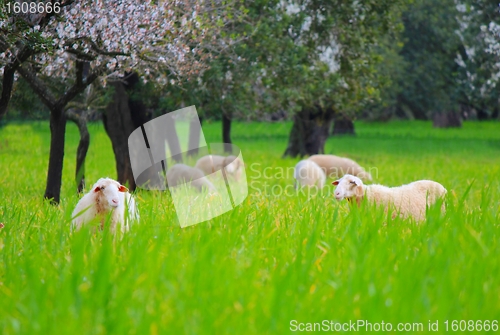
x: 348, y: 187
x: 110, y: 189
x: 232, y: 164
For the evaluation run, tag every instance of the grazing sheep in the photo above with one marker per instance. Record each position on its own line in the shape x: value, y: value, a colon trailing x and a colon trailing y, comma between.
x: 308, y: 173
x: 107, y: 197
x: 181, y: 173
x: 336, y: 167
x: 409, y: 200
x: 209, y: 164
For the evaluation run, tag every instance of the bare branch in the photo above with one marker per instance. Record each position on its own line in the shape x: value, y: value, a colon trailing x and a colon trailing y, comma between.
x: 78, y: 87
x: 38, y: 86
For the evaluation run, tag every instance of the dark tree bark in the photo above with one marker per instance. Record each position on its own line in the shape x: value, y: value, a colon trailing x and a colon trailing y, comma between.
x: 57, y: 121
x: 118, y: 124
x: 8, y: 74
x: 309, y: 131
x: 482, y: 114
x: 447, y: 120
x: 138, y: 111
x: 342, y: 125
x: 226, y: 132
x: 54, y: 174
x: 173, y: 140
x: 81, y: 153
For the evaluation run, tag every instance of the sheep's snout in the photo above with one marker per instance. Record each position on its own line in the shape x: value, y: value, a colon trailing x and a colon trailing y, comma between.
x: 113, y: 195
x: 338, y: 195
x: 231, y: 167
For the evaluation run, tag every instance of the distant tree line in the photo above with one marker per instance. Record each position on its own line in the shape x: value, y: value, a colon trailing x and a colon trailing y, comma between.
x: 320, y: 64
x: 433, y: 60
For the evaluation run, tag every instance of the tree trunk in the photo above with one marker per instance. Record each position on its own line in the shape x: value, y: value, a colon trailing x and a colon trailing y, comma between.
x: 495, y: 115
x: 194, y: 137
x: 54, y: 174
x: 9, y: 72
x: 309, y: 131
x: 118, y: 124
x: 447, y: 120
x: 226, y: 132
x: 342, y: 125
x: 7, y: 86
x: 81, y: 153
x: 173, y: 140
x: 57, y: 120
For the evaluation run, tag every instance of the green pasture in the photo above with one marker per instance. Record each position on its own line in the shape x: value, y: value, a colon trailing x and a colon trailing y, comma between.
x: 278, y: 261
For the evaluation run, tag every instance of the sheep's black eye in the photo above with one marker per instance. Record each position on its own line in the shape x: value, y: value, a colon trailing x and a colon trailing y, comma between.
x: 353, y: 182
x: 102, y: 188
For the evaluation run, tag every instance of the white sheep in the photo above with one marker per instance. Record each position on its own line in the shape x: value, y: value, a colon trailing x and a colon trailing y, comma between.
x: 232, y: 165
x: 308, y: 173
x: 336, y: 167
x: 409, y: 200
x: 106, y: 198
x: 181, y: 173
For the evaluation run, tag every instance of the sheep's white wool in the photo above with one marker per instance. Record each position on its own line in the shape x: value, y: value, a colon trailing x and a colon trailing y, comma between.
x: 409, y: 200
x: 106, y: 198
x: 308, y: 173
x: 181, y: 173
x: 336, y: 167
x: 209, y: 164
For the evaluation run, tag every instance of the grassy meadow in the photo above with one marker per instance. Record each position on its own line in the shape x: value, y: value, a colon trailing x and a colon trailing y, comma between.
x: 275, y: 263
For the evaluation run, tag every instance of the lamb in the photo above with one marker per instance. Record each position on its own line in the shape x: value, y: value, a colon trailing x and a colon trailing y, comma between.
x: 181, y: 173
x: 409, y: 200
x: 232, y: 165
x: 107, y: 197
x: 336, y: 167
x: 308, y: 173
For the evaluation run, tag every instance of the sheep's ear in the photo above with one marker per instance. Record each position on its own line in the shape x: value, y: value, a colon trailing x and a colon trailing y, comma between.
x: 359, y: 191
x: 336, y: 182
x: 122, y: 188
x: 97, y: 189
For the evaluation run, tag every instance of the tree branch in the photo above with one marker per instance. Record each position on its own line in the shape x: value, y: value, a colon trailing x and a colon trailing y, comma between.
x: 80, y: 119
x: 3, y: 44
x: 78, y: 87
x: 8, y: 74
x: 37, y: 85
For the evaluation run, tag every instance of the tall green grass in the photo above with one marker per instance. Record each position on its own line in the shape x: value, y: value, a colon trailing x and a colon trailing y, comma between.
x: 277, y: 257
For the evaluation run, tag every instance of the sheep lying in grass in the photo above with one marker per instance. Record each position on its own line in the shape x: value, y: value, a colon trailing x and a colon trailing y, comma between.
x: 209, y: 164
x: 308, y: 173
x: 181, y: 173
x: 336, y: 167
x: 409, y: 200
x: 106, y: 198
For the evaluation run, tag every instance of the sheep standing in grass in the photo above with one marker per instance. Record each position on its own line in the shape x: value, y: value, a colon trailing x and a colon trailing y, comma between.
x: 336, y: 167
x: 181, y: 173
x: 308, y: 173
x: 409, y: 200
x: 232, y: 165
x: 106, y: 198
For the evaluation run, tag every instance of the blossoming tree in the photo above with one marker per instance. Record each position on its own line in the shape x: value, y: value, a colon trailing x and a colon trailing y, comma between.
x: 72, y: 43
